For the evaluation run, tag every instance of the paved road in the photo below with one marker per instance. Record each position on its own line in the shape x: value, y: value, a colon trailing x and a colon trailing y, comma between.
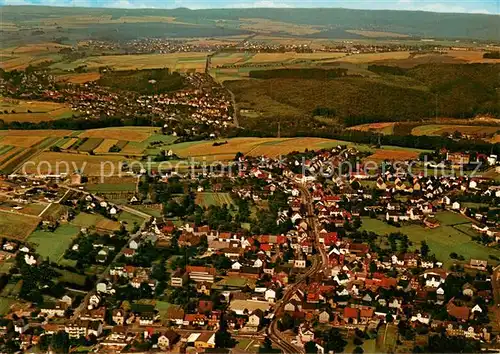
x: 273, y: 332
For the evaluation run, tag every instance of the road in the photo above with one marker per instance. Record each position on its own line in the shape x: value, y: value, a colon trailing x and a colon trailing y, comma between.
x: 273, y: 332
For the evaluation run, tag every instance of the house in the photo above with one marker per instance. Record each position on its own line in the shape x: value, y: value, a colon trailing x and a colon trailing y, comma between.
x: 205, y: 306
x: 205, y: 340
x: 203, y: 288
x: 270, y: 295
x: 146, y: 318
x: 175, y: 315
x: 478, y: 264
x: 201, y: 274
x: 324, y: 317
x: 351, y: 315
x: 21, y: 325
x: 167, y: 339
x: 178, y: 278
x: 119, y: 316
x: 255, y: 319
x: 194, y: 319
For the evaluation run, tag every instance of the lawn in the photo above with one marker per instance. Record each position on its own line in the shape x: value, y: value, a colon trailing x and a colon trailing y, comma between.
x: 70, y: 277
x: 129, y: 219
x: 442, y: 240
x: 5, y: 305
x: 53, y: 244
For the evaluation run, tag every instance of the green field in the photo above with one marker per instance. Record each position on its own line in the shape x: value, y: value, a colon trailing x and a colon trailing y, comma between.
x: 70, y: 277
x: 130, y: 219
x: 150, y: 211
x: 451, y: 236
x: 90, y: 144
x: 5, y: 305
x: 85, y: 220
x: 207, y: 199
x: 18, y: 226
x: 53, y: 244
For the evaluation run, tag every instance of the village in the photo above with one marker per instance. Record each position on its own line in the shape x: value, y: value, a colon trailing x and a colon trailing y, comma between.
x: 294, y: 260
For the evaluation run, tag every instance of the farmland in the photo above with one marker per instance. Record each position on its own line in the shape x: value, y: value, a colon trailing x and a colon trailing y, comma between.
x: 447, y: 238
x: 52, y: 245
x: 137, y: 134
x: 32, y: 111
x: 17, y: 226
x: 380, y: 128
x: 397, y: 155
x: 440, y: 129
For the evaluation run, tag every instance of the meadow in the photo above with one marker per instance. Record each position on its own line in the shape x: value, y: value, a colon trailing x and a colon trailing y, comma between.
x: 12, y: 110
x: 52, y: 245
x: 86, y: 220
x: 447, y: 238
x: 480, y: 131
x: 207, y: 199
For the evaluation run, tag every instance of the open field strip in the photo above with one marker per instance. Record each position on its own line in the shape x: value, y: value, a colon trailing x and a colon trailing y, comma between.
x: 85, y: 220
x: 136, y: 134
x: 40, y: 132
x: 80, y: 78
x: 440, y: 129
x: 90, y: 144
x: 105, y: 145
x: 5, y: 149
x: 383, y: 128
x: 69, y: 143
x: 22, y: 141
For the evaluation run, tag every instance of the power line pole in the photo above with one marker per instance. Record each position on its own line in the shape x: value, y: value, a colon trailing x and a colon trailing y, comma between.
x: 279, y: 129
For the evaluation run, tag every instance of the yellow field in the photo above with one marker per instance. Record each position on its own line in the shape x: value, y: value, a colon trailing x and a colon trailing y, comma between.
x: 268, y: 26
x: 31, y: 111
x: 45, y: 133
x: 378, y: 34
x: 79, y: 78
x: 260, y: 58
x: 384, y: 128
x: 55, y: 162
x: 137, y: 134
x: 21, y: 141
x: 143, y: 61
x: 69, y: 143
x: 105, y: 146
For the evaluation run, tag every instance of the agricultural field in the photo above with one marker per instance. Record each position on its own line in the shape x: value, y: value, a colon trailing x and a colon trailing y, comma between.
x: 32, y: 111
x: 173, y: 61
x: 447, y: 238
x: 207, y: 199
x: 137, y: 134
x: 52, y: 245
x: 105, y: 145
x: 90, y: 144
x: 110, y: 187
x: 381, y: 128
x: 85, y: 220
x: 479, y: 131
x: 33, y: 209
x: 21, y: 141
x: 5, y: 305
x: 80, y: 78
x: 271, y: 147
x: 397, y: 155
x: 67, y: 163
x: 17, y: 226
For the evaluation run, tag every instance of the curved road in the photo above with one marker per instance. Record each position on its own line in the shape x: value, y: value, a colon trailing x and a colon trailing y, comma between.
x: 273, y: 332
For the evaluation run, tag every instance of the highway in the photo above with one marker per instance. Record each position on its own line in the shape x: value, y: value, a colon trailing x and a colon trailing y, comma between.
x: 273, y: 332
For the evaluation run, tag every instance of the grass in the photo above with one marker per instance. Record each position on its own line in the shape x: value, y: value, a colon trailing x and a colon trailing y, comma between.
x: 208, y: 198
x: 52, y: 245
x: 130, y: 219
x: 451, y: 236
x: 86, y: 220
x: 150, y: 211
x: 71, y: 277
x: 5, y: 305
x: 18, y: 226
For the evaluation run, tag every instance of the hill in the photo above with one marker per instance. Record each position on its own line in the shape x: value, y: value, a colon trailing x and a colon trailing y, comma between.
x: 182, y: 22
x: 461, y: 91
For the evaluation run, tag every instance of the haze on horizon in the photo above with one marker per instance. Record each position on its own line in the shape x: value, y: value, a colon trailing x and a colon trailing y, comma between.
x: 483, y: 7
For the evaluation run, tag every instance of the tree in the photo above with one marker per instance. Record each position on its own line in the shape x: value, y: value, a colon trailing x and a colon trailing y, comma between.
x: 310, y: 348
x: 358, y: 350
x: 424, y: 249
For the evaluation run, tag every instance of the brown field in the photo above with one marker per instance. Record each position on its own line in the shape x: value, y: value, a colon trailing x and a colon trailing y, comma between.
x: 105, y: 146
x: 384, y: 128
x: 378, y: 34
x: 81, y: 78
x: 132, y: 149
x: 400, y: 155
x: 373, y: 57
x: 37, y: 48
x: 17, y: 226
x: 137, y: 134
x: 107, y: 224
x: 45, y: 133
x: 260, y: 58
x: 31, y: 111
x: 7, y: 156
x: 21, y: 141
x: 495, y: 139
x: 58, y: 162
x: 21, y: 62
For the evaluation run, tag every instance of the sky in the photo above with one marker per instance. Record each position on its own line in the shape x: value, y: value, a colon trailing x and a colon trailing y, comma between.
x: 462, y: 6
